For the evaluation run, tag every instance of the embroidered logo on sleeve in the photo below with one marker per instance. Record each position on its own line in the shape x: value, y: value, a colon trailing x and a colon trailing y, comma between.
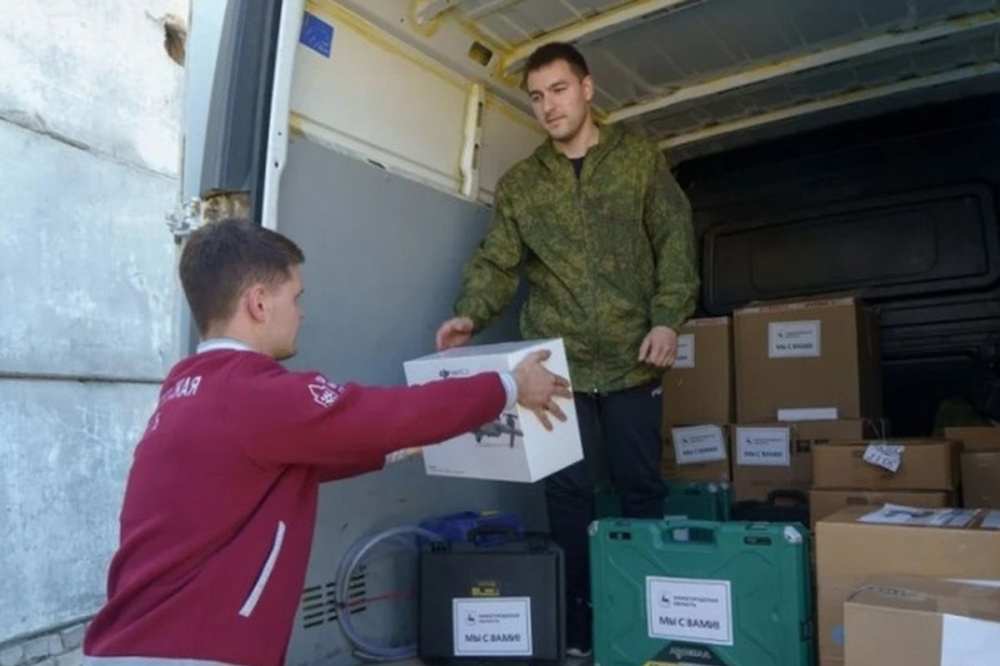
x: 325, y: 392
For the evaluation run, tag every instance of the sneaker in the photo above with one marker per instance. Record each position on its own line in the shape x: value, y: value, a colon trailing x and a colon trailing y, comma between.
x: 579, y: 641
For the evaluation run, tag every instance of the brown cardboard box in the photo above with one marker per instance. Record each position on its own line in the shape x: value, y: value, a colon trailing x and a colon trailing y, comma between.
x: 816, y: 354
x: 848, y: 553
x: 823, y: 503
x: 900, y: 621
x: 977, y: 439
x: 697, y: 453
x: 981, y: 480
x: 698, y: 388
x: 924, y: 464
x: 778, y: 456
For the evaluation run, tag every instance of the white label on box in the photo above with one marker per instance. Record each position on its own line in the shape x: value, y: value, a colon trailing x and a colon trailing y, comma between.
x: 808, y: 414
x: 794, y: 339
x: 894, y: 514
x: 685, y: 352
x: 765, y: 447
x: 992, y: 521
x: 967, y: 641
x: 886, y: 456
x: 488, y: 627
x: 698, y: 444
x: 688, y: 609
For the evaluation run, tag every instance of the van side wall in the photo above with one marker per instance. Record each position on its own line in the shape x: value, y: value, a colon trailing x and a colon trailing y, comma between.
x: 383, y: 262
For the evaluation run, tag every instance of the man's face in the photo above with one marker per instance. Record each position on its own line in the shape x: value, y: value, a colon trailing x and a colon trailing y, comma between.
x: 560, y: 100
x: 285, y: 315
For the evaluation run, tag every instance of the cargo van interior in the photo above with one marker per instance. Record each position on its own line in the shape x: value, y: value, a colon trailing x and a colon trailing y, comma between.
x: 827, y: 146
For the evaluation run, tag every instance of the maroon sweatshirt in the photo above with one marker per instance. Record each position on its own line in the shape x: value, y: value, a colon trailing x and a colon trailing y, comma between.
x: 220, y: 506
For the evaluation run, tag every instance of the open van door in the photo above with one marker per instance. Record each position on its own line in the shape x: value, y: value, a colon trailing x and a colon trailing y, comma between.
x: 236, y: 110
x: 383, y: 247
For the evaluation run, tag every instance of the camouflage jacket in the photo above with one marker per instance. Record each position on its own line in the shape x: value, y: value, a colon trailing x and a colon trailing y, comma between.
x: 607, y: 256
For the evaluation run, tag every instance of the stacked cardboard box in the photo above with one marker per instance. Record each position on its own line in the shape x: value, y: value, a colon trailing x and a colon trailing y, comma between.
x: 921, y: 621
x: 778, y: 456
x: 824, y: 503
x: 980, y: 456
x: 698, y: 403
x: 806, y: 373
x: 696, y: 453
x: 807, y: 360
x: 859, y: 543
x: 913, y: 472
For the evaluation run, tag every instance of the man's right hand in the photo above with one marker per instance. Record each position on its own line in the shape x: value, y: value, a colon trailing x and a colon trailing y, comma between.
x: 454, y: 333
x: 537, y: 388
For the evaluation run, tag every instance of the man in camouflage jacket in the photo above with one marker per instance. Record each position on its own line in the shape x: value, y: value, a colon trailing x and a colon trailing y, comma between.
x: 603, y: 234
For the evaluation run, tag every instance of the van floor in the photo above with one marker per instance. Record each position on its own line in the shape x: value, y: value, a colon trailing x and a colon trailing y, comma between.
x: 566, y: 662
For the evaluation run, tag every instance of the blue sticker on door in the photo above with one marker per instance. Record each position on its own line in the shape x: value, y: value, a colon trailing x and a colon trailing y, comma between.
x: 316, y: 34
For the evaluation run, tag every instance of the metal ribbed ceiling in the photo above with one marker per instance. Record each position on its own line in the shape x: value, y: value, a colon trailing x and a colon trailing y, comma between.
x: 703, y: 76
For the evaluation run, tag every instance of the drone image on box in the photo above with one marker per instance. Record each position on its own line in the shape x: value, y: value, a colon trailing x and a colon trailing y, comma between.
x: 507, y: 424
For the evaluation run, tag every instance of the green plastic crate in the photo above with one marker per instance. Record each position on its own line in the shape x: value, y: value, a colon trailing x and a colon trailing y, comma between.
x: 690, y: 499
x: 700, y: 592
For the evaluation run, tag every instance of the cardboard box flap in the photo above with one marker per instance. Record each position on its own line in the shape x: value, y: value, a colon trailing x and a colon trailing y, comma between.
x: 706, y: 321
x: 892, y: 441
x: 496, y: 348
x: 852, y: 516
x: 790, y: 304
x: 823, y: 503
x: 825, y: 431
x: 975, y: 439
x: 981, y: 459
x: 932, y: 595
x: 911, y: 516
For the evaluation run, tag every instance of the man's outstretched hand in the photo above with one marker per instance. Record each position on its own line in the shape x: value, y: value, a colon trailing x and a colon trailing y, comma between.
x: 537, y: 388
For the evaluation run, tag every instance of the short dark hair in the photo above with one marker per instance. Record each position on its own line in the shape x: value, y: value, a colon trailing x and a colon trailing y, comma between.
x: 223, y: 258
x: 550, y: 53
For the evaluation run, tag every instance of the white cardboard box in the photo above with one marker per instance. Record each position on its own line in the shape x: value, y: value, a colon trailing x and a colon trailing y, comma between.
x: 515, y: 447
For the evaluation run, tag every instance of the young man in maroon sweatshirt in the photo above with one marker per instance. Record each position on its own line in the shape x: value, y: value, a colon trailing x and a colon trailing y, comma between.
x: 221, y: 498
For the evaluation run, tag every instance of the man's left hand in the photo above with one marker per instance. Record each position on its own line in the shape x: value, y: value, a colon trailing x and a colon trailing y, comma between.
x: 659, y: 348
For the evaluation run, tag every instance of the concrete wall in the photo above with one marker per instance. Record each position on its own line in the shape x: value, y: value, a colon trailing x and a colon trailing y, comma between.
x: 61, y: 645
x: 89, y: 150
